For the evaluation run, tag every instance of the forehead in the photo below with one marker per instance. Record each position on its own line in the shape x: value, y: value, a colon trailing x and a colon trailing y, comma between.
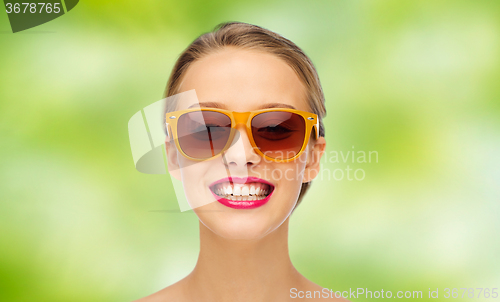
x: 243, y: 80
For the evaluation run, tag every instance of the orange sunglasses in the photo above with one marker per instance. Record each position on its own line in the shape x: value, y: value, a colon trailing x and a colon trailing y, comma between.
x: 277, y: 134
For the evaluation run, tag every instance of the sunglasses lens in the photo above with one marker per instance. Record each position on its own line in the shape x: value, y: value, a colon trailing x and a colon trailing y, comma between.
x: 203, y: 134
x: 279, y: 135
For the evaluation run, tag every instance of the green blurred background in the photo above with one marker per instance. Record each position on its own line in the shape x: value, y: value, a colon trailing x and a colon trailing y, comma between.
x: 416, y: 81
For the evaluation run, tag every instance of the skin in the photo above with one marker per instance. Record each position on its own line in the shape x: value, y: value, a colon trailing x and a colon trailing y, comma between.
x: 243, y: 253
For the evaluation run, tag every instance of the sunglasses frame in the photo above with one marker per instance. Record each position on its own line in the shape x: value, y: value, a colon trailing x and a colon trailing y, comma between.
x: 244, y: 118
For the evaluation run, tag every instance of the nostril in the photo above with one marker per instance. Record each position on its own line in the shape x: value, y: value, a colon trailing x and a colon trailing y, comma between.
x: 241, y: 152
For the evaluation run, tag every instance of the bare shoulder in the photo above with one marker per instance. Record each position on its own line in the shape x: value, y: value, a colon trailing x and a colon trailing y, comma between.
x: 174, y: 293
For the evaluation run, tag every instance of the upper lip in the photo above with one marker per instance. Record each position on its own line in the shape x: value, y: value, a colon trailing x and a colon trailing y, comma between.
x: 241, y: 180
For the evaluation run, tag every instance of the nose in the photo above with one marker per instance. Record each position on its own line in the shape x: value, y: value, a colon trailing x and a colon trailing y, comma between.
x: 240, y: 156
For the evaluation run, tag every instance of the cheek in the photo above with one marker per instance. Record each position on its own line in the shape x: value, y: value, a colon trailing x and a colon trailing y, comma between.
x: 289, y: 174
x: 288, y: 177
x: 193, y: 175
x: 190, y: 170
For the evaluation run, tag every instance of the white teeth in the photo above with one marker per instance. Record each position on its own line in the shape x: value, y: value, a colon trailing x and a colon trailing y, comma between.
x: 237, y: 190
x: 245, y: 191
x: 242, y: 192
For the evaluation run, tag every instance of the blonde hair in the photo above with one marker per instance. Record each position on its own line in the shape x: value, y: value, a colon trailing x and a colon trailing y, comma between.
x: 248, y: 36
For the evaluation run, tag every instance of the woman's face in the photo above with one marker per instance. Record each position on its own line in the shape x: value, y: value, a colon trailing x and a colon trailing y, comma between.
x: 244, y: 80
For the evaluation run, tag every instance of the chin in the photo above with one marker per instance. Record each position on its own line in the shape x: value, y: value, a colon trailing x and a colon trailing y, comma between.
x: 240, y: 227
x: 246, y: 234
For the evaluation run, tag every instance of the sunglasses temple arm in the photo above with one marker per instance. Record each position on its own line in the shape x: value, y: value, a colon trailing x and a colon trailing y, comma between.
x: 168, y: 131
x: 317, y: 128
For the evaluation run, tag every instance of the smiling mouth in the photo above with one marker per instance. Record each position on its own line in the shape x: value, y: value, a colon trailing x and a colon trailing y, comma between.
x: 242, y: 192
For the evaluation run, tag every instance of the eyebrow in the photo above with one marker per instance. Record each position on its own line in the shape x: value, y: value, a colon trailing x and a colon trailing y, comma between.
x: 208, y: 104
x: 221, y: 106
x: 276, y: 105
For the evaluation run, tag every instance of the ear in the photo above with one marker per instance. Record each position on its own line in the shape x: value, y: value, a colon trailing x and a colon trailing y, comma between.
x: 316, y: 151
x: 172, y: 160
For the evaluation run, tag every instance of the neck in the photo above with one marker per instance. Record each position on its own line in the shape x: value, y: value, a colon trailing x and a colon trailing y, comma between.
x: 250, y: 270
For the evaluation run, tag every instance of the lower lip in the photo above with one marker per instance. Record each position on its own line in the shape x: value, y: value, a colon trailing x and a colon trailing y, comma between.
x: 242, y: 205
